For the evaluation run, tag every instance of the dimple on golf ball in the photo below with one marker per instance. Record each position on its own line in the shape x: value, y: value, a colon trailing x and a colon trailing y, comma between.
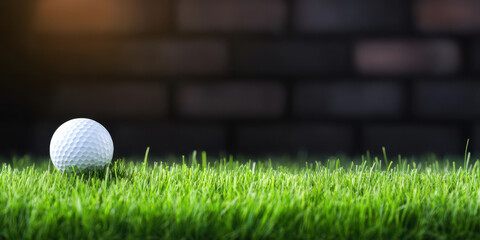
x: 81, y: 143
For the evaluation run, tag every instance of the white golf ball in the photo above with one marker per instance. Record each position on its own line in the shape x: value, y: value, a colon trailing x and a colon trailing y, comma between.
x: 81, y: 143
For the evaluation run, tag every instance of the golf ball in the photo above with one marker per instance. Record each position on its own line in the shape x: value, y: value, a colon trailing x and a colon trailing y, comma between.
x: 81, y: 143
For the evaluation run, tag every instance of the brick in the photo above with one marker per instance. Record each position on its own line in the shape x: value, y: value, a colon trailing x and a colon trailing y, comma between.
x: 42, y: 134
x: 232, y: 16
x: 349, y: 99
x: 474, y: 145
x: 413, y: 139
x: 167, y: 138
x: 11, y: 59
x: 110, y: 100
x: 22, y: 99
x: 11, y: 105
x: 291, y: 58
x: 15, y: 17
x: 447, y: 100
x: 350, y: 15
x: 448, y: 16
x: 130, y: 57
x: 436, y: 57
x: 282, y: 138
x: 16, y: 138
x: 101, y: 17
x: 235, y: 99
x: 475, y: 56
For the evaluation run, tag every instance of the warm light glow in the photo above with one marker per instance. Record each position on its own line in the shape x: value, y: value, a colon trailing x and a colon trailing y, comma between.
x: 86, y: 16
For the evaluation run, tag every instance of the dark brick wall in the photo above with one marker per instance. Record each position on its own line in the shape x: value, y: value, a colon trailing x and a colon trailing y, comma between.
x: 243, y: 76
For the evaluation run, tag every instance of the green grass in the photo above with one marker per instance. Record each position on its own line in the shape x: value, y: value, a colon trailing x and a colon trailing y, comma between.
x: 226, y: 199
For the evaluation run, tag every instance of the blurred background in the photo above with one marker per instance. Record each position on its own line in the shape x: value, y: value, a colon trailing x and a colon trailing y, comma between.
x: 249, y: 77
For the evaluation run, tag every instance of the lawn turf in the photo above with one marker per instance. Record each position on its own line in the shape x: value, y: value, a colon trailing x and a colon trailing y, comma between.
x: 228, y: 199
